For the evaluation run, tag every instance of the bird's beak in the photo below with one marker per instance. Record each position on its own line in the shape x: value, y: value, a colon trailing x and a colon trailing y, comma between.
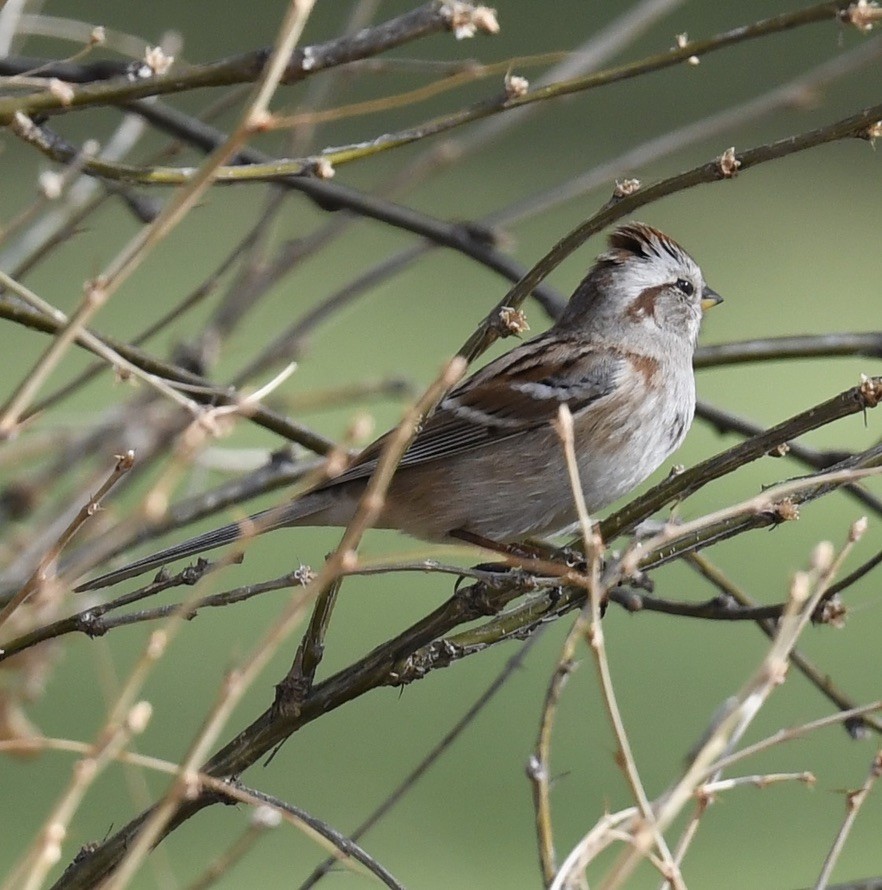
x: 709, y: 298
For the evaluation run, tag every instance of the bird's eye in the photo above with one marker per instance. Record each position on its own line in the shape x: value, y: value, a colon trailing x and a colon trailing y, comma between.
x: 685, y: 286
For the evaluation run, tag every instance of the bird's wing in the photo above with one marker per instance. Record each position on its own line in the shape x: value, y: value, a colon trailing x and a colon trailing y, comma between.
x: 517, y: 392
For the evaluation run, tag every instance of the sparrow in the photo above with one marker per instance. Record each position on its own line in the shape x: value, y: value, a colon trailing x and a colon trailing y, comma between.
x: 488, y: 464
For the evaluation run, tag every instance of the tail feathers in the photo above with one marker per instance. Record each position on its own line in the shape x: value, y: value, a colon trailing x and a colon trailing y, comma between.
x: 266, y: 520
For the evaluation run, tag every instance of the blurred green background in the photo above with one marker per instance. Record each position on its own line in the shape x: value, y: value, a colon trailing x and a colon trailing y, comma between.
x: 793, y: 246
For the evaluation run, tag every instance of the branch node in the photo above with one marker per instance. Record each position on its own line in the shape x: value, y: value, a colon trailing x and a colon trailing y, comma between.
x: 322, y: 168
x: 785, y: 510
x: 831, y: 611
x: 862, y: 15
x: 728, y: 164
x: 625, y: 187
x: 440, y: 654
x: 154, y: 64
x: 870, y: 390
x: 516, y: 86
x: 465, y: 19
x: 62, y: 90
x: 512, y: 321
x: 682, y: 43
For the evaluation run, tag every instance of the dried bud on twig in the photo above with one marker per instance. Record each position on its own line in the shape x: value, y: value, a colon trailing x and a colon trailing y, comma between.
x: 832, y: 611
x: 304, y: 575
x: 266, y: 817
x: 516, y: 86
x: 822, y: 556
x: 784, y: 510
x: 683, y: 40
x: 154, y: 64
x: 858, y: 529
x: 625, y: 187
x: 870, y: 390
x: 62, y: 90
x: 514, y: 321
x: 51, y: 184
x: 323, y: 169
x: 728, y: 163
x: 138, y: 717
x: 862, y: 15
x: 465, y: 20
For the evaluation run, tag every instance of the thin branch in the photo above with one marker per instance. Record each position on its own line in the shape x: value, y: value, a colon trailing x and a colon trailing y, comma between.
x: 591, y: 628
x: 225, y: 790
x: 806, y: 591
x: 343, y: 844
x: 856, y: 126
x: 851, y: 716
x: 289, y: 33
x: 430, y: 18
x: 201, y: 390
x: 18, y: 405
x: 539, y: 764
x: 851, y: 401
x: 767, y: 619
x: 511, y: 666
x: 854, y: 801
x: 867, y: 344
x: 679, y: 55
x: 43, y: 572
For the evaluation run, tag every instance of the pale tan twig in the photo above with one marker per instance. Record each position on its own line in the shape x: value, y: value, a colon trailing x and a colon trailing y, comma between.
x: 155, y: 648
x: 819, y: 678
x: 209, y: 423
x: 240, y: 680
x: 167, y: 388
x: 135, y: 777
x: 538, y: 766
x: 795, y: 732
x: 854, y: 800
x: 704, y: 797
x: 61, y: 183
x: 291, y: 28
x: 590, y: 626
x: 805, y: 593
x: 78, y: 203
x: 76, y: 31
x: 12, y: 410
x: 597, y: 840
x: 345, y: 557
x: 351, y: 853
x: 771, y: 500
x: 100, y: 289
x: 758, y: 781
x: 44, y: 571
x: 127, y: 718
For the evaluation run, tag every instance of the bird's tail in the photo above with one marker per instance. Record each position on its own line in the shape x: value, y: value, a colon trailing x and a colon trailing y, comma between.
x: 266, y: 520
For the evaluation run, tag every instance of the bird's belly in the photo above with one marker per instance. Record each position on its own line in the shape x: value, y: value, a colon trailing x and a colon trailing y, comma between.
x: 505, y: 494
x: 520, y: 487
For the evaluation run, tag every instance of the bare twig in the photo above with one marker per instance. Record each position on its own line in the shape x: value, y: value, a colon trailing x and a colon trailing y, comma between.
x: 290, y: 30
x: 589, y: 624
x: 42, y: 574
x: 854, y: 800
x: 511, y: 666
